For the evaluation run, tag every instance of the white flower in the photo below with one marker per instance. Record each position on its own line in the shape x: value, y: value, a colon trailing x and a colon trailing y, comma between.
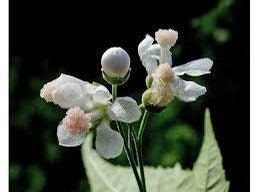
x: 115, y: 62
x: 67, y: 91
x: 73, y: 128
x: 166, y: 81
x: 89, y: 105
x: 161, y: 93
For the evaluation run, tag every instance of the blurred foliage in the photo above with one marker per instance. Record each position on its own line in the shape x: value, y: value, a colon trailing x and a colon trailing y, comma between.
x: 213, y: 27
x: 209, y: 23
x: 37, y: 179
x: 37, y: 163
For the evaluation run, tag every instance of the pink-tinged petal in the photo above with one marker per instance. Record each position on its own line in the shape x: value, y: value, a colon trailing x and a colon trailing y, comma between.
x: 72, y: 130
x: 46, y: 91
x: 63, y: 84
x: 77, y: 121
x: 67, y: 139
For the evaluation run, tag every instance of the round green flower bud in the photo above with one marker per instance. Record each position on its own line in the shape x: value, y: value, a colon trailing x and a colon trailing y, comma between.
x: 115, y: 65
x: 146, y: 98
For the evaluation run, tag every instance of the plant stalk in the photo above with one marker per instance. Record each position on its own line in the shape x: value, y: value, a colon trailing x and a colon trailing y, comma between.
x: 130, y: 159
x: 139, y: 146
x: 114, y: 92
x: 126, y: 148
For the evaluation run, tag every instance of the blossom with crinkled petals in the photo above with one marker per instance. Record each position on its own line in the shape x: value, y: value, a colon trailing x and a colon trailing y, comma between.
x: 73, y: 128
x: 67, y: 91
x: 157, y: 59
x: 89, y: 105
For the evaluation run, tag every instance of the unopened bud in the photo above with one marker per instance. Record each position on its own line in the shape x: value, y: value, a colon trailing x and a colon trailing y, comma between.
x: 115, y: 65
x: 147, y: 103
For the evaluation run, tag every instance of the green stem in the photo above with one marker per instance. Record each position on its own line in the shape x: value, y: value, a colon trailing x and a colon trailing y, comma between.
x: 127, y: 150
x: 141, y: 165
x: 114, y: 92
x: 143, y: 124
x: 136, y: 144
x: 139, y: 146
x: 133, y: 142
x: 129, y: 138
x: 130, y: 159
x: 141, y: 106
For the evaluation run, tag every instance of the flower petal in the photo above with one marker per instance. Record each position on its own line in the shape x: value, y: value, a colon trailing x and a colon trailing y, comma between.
x: 48, y: 88
x: 150, y: 58
x: 63, y: 78
x: 149, y: 54
x: 144, y: 45
x: 187, y: 91
x: 194, y: 68
x: 69, y: 95
x: 68, y: 140
x: 124, y: 109
x: 98, y: 92
x: 91, y: 88
x: 154, y: 50
x: 150, y: 63
x: 102, y: 94
x: 109, y: 143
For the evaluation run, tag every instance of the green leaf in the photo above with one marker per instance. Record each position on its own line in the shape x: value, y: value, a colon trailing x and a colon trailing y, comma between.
x: 207, y: 175
x: 104, y: 176
x: 208, y: 170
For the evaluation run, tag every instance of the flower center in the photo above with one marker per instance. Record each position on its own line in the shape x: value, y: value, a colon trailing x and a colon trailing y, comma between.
x: 77, y: 121
x: 165, y: 73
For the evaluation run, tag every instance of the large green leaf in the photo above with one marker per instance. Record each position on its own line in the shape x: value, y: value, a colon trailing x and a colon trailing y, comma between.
x: 207, y: 175
x: 208, y: 170
x: 106, y: 177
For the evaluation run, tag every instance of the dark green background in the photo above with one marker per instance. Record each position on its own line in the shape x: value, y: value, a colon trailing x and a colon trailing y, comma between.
x: 49, y: 38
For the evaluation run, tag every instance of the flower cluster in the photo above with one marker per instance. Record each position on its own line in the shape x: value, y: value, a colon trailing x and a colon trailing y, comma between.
x: 165, y: 81
x: 89, y: 105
